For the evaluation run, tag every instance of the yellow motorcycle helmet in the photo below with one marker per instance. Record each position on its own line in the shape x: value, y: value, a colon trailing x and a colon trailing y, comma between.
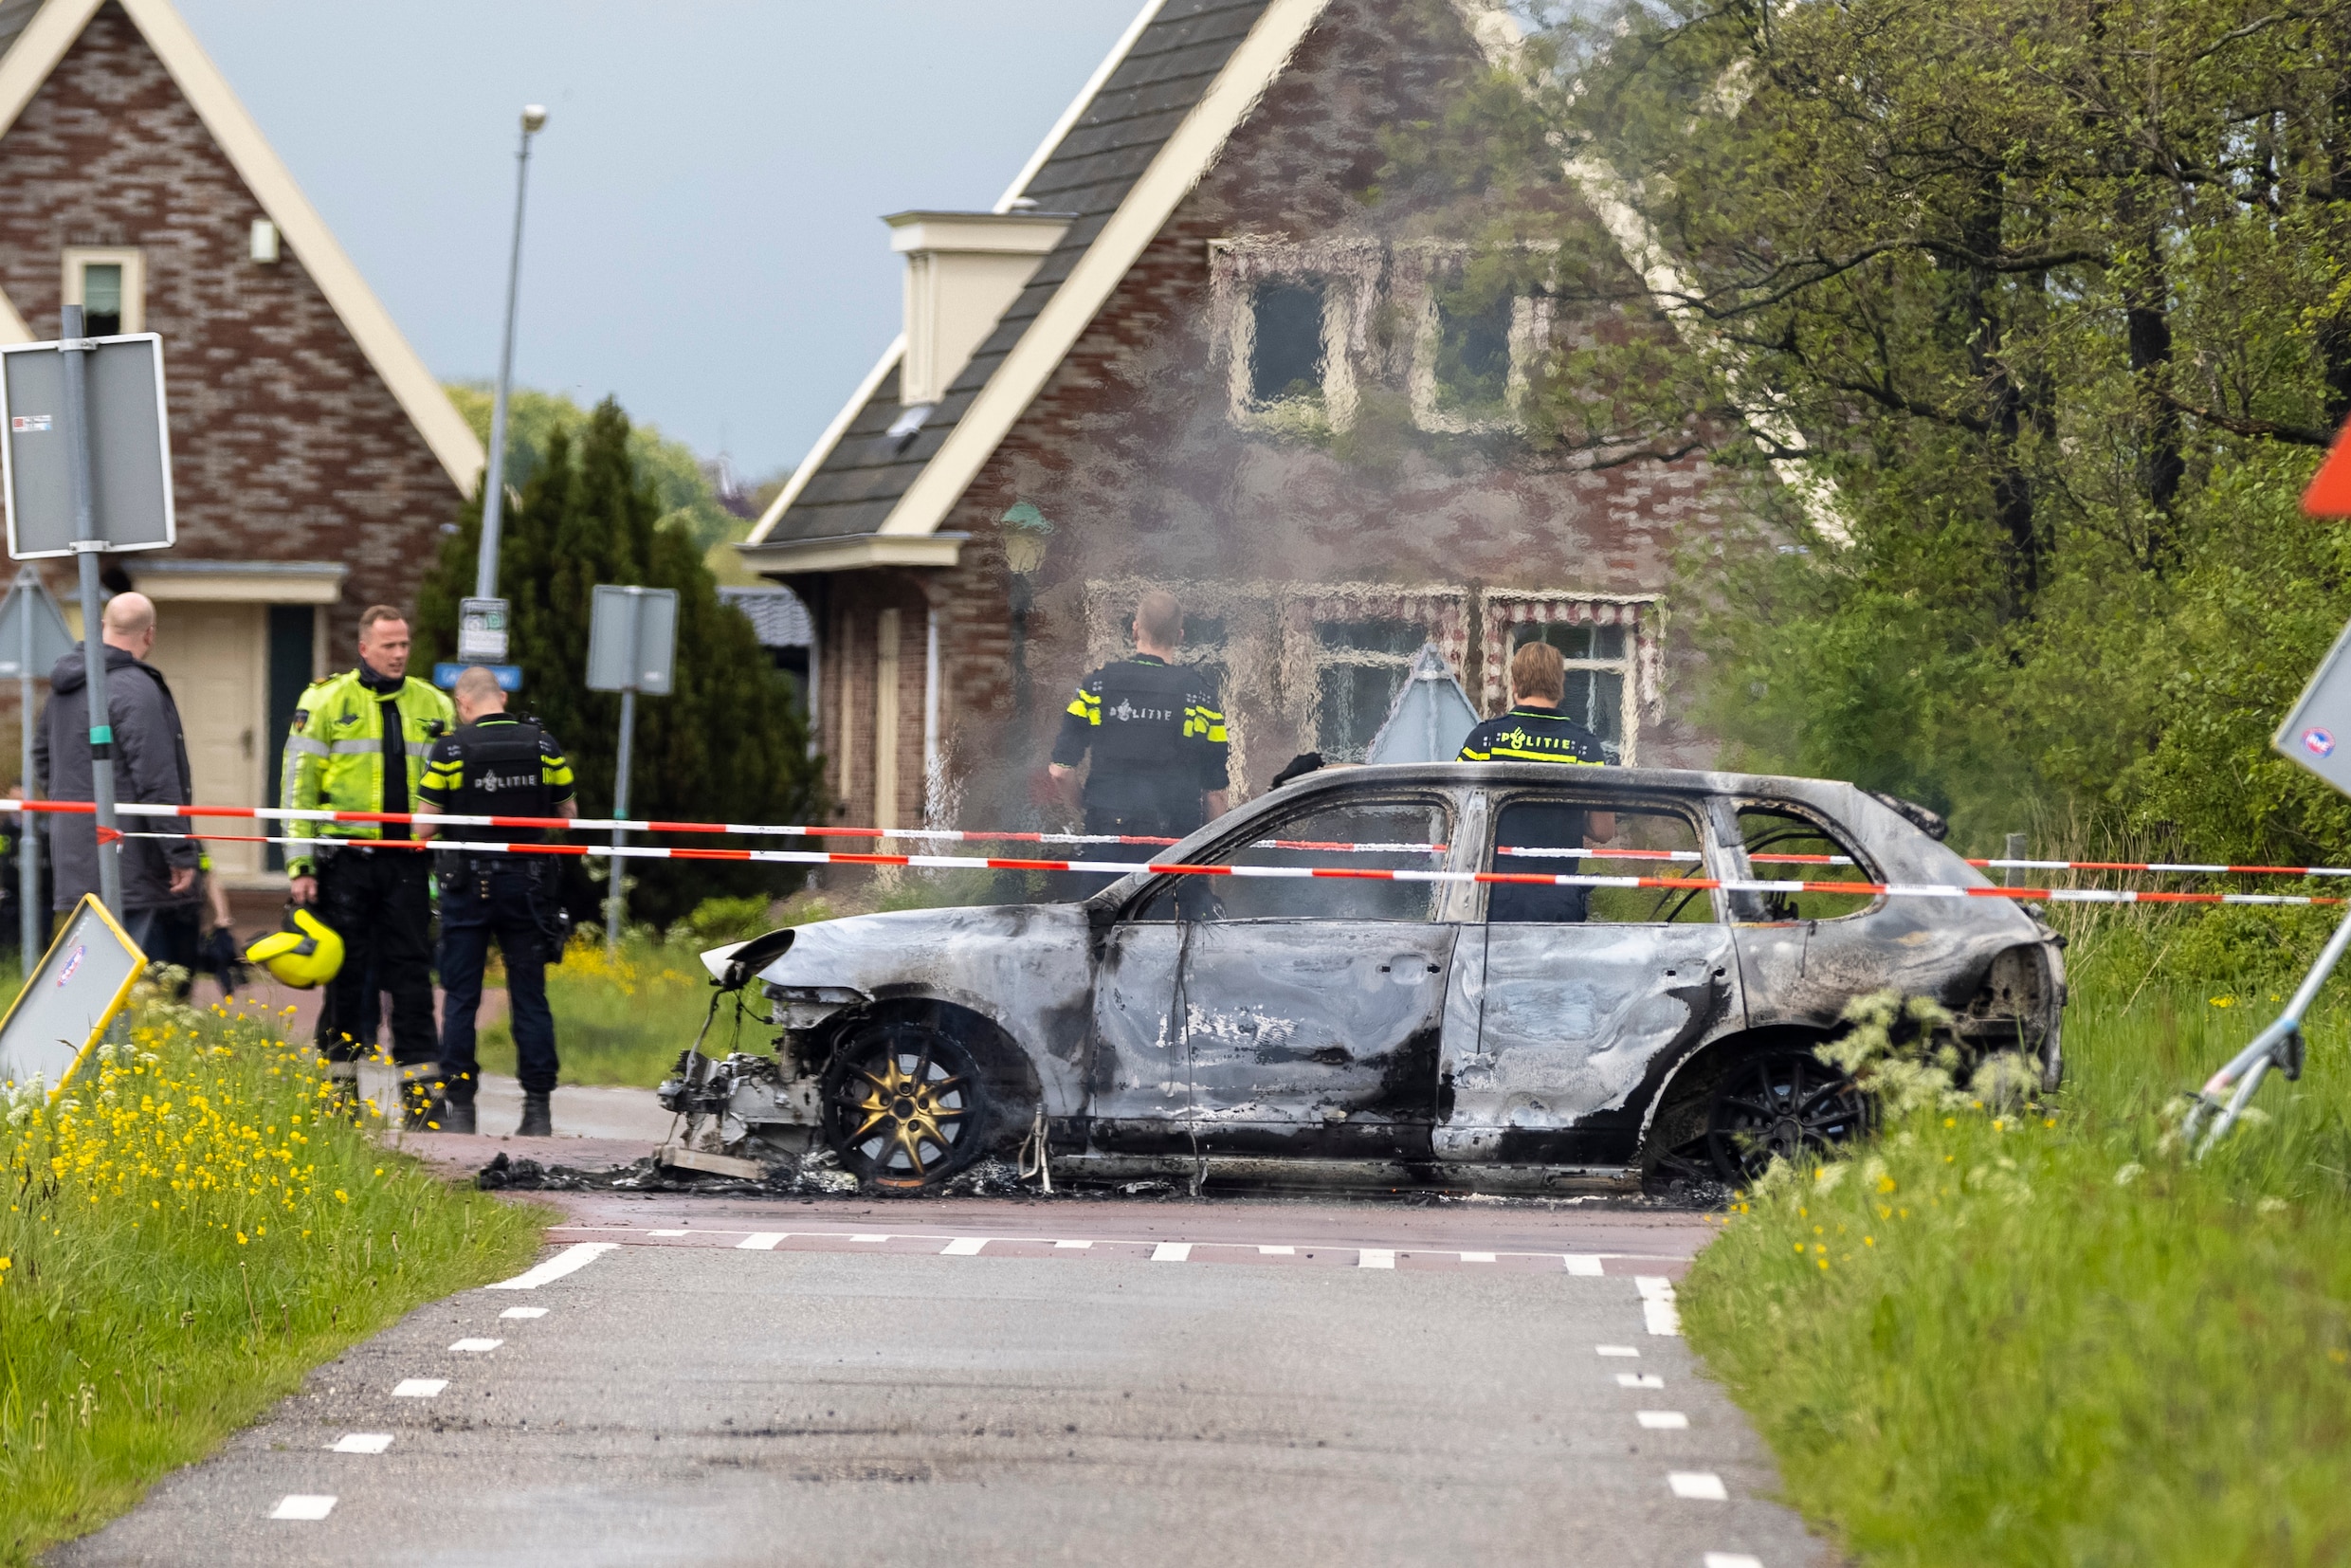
x: 303, y: 953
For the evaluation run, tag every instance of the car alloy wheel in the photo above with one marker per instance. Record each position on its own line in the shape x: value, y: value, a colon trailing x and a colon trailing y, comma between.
x: 1779, y: 1103
x: 903, y: 1105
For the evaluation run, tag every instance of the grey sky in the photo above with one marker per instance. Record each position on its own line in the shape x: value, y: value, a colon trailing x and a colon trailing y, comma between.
x: 702, y: 234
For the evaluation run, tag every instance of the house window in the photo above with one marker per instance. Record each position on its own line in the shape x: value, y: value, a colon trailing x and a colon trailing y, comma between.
x: 1286, y: 357
x: 1359, y: 666
x: 110, y: 285
x: 1473, y: 357
x: 1290, y: 321
x: 1474, y: 354
x: 1599, y: 673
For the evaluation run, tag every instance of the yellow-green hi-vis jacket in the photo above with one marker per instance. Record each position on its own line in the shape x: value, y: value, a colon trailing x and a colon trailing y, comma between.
x: 335, y: 755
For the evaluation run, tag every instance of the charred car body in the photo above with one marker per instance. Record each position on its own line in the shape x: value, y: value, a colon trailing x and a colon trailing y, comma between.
x: 1408, y: 1031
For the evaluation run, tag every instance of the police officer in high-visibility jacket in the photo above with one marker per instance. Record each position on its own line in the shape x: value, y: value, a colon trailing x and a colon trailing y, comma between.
x: 1156, y: 730
x: 1536, y: 731
x: 359, y: 744
x: 494, y: 765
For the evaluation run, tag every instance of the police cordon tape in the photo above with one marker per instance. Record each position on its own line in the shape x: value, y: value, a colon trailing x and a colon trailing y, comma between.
x: 1349, y: 873
x: 962, y: 835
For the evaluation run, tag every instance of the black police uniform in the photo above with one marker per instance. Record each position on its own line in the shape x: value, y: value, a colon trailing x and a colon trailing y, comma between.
x: 1158, y: 738
x: 1537, y: 735
x: 496, y: 766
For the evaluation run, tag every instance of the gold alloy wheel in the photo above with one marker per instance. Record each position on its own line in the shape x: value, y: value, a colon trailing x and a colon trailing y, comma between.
x: 913, y: 1104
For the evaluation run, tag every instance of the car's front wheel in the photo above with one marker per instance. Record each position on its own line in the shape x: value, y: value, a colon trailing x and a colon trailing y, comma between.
x: 905, y: 1106
x: 1780, y: 1102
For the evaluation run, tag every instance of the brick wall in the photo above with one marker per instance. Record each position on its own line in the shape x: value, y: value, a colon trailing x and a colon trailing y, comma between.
x: 285, y: 444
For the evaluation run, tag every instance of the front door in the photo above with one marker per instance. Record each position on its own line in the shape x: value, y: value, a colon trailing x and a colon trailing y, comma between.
x: 217, y: 657
x: 1283, y: 1015
x: 1586, y: 994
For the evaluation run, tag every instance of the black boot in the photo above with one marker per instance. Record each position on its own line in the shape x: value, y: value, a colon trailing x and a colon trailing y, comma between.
x: 535, y: 1121
x: 455, y: 1116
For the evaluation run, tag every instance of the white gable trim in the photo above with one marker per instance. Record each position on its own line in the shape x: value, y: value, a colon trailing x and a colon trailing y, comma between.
x: 60, y: 25
x: 1077, y: 106
x: 1182, y: 160
x: 826, y: 442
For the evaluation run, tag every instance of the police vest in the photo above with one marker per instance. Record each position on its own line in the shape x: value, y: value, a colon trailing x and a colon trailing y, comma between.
x: 502, y: 776
x: 1143, y: 721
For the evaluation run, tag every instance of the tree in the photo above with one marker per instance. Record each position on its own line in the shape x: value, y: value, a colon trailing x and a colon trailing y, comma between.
x: 728, y: 744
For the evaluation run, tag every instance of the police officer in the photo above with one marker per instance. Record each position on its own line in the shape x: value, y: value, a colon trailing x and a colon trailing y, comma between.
x: 1536, y: 731
x: 359, y: 744
x: 494, y: 765
x: 1155, y: 732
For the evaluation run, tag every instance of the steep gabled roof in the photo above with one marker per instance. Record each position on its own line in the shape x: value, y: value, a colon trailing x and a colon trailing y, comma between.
x: 1148, y: 126
x: 36, y: 35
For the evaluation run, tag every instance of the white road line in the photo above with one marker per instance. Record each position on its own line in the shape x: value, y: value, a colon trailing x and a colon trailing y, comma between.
x: 1583, y: 1264
x: 1477, y: 1257
x: 1657, y: 1306
x: 964, y: 1246
x: 1639, y: 1380
x: 363, y: 1442
x: 1079, y: 1246
x: 1171, y: 1252
x: 1277, y: 1252
x: 570, y: 1261
x: 1732, y: 1559
x: 299, y: 1506
x: 869, y: 1238
x: 1375, y: 1257
x: 763, y: 1241
x: 418, y: 1388
x: 1615, y: 1350
x: 525, y: 1312
x: 664, y: 1232
x: 476, y: 1347
x: 1662, y: 1420
x: 1699, y: 1485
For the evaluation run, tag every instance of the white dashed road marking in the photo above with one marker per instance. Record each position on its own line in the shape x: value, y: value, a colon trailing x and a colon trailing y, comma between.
x: 476, y: 1347
x: 762, y: 1240
x: 1700, y: 1485
x: 570, y: 1261
x: 1585, y: 1265
x: 1375, y: 1257
x: 1615, y: 1350
x: 1732, y: 1559
x: 525, y: 1312
x: 299, y: 1506
x: 869, y: 1238
x: 1639, y: 1380
x: 964, y: 1246
x: 363, y: 1442
x: 1078, y: 1246
x: 1477, y: 1257
x: 1662, y: 1420
x: 418, y: 1388
x: 1277, y: 1252
x: 1657, y: 1304
x: 667, y: 1233
x: 1171, y: 1252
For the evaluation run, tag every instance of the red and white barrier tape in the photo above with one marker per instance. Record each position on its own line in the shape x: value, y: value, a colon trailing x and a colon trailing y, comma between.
x: 1119, y: 868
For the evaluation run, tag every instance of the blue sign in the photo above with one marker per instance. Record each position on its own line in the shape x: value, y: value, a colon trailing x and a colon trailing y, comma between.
x: 509, y: 675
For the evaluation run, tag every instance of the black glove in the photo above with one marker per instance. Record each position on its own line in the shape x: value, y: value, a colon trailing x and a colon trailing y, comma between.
x: 1297, y: 766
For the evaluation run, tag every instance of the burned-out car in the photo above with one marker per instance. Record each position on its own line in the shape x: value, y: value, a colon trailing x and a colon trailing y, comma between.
x: 1421, y: 1029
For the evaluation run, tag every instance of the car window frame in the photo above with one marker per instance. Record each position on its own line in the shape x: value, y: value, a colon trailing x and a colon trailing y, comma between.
x: 1735, y: 849
x: 1443, y: 905
x: 1579, y: 791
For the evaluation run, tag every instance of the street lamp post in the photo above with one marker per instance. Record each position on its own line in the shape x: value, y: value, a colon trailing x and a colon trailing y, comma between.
x: 494, y: 485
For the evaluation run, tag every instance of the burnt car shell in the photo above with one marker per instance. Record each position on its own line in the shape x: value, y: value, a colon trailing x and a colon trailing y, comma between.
x: 1442, y: 1050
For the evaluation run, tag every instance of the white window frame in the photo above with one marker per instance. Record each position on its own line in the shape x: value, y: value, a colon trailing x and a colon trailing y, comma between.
x: 1418, y: 272
x: 1641, y: 615
x: 1349, y: 273
x: 134, y: 264
x: 1443, y: 610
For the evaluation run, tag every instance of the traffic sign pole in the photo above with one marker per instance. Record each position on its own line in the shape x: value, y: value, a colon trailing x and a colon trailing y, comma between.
x: 632, y: 644
x: 615, y: 908
x: 75, y: 415
x: 28, y: 841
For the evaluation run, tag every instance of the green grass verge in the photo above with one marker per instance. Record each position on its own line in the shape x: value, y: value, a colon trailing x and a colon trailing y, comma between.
x: 2050, y: 1339
x: 185, y: 1238
x: 618, y: 1022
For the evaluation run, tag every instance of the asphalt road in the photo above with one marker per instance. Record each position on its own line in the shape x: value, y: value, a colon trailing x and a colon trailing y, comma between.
x: 947, y: 1383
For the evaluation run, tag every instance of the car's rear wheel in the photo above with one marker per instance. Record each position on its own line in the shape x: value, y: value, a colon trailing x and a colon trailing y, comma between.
x: 1781, y: 1102
x: 905, y: 1104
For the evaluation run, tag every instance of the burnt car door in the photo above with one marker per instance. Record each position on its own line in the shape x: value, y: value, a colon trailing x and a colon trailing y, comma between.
x: 1586, y: 994
x: 1301, y: 1015
x: 1801, y: 954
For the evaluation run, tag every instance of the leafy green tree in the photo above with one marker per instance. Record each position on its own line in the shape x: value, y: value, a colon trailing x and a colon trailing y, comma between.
x: 728, y: 743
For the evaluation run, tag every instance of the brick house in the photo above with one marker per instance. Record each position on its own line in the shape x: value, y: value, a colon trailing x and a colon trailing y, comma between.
x: 1145, y: 365
x: 315, y: 459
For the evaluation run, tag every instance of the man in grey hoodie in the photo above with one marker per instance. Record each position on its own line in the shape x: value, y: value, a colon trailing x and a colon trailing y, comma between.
x: 151, y: 768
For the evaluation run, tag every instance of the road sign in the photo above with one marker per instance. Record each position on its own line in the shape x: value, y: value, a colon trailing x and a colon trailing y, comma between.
x: 1429, y: 718
x: 68, y: 1001
x: 632, y: 639
x: 130, y: 447
x: 481, y: 631
x: 33, y: 630
x: 509, y: 675
x: 2317, y: 732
